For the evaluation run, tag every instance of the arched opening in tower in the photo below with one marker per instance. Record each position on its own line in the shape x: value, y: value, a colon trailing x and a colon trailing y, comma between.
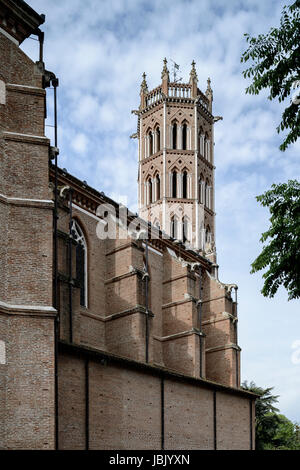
x: 157, y: 187
x: 184, y: 185
x: 174, y: 136
x: 150, y: 143
x: 184, y: 137
x: 158, y: 139
x: 174, y: 184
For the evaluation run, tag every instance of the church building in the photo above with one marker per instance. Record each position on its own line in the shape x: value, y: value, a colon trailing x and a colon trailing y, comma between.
x: 115, y: 330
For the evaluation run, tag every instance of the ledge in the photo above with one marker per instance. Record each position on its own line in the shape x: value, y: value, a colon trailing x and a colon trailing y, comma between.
x: 27, y: 310
x: 105, y: 358
x: 182, y: 334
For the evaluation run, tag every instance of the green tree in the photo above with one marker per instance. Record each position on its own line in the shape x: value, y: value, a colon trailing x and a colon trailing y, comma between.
x: 266, y: 420
x: 273, y: 431
x: 276, y: 66
x: 286, y: 436
x: 281, y: 256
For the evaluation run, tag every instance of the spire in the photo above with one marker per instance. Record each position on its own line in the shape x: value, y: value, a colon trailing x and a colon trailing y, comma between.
x: 144, y: 86
x: 193, y: 73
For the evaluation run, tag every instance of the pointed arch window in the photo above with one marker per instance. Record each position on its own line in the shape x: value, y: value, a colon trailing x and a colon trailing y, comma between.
x: 150, y: 191
x: 157, y: 181
x: 201, y: 190
x: 157, y: 139
x: 208, y: 238
x: 174, y: 135
x: 174, y: 183
x: 185, y: 229
x: 184, y: 184
x: 206, y: 193
x: 184, y: 136
x: 151, y: 146
x: 174, y: 227
x: 81, y: 261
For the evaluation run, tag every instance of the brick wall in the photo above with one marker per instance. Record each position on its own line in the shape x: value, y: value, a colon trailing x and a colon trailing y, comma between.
x: 26, y: 312
x: 109, y: 405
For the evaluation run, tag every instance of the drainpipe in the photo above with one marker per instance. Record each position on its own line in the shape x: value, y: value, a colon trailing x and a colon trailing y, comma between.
x: 200, y: 321
x: 147, y: 301
x: 236, y: 341
x: 70, y: 269
x: 139, y: 235
x: 48, y: 79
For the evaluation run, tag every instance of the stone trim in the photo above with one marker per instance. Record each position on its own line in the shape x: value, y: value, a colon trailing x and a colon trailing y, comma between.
x: 182, y: 334
x: 137, y: 309
x: 124, y: 276
x: 221, y: 348
x: 28, y: 90
x: 19, y: 201
x: 178, y: 302
x: 27, y: 310
x: 177, y: 278
x: 26, y: 138
x: 8, y: 36
x: 226, y: 316
x: 130, y: 244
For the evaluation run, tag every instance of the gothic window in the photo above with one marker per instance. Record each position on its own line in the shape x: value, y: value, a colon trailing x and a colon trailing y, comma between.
x: 208, y: 238
x: 150, y: 192
x: 174, y: 183
x: 207, y: 194
x: 174, y: 136
x: 184, y: 136
x: 201, y: 142
x: 185, y: 229
x: 157, y: 139
x: 201, y: 189
x: 206, y: 147
x: 184, y: 185
x: 151, y: 146
x: 81, y: 261
x: 174, y: 227
x: 157, y: 187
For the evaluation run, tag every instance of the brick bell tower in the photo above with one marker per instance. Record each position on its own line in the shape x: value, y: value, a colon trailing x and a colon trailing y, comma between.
x: 176, y: 160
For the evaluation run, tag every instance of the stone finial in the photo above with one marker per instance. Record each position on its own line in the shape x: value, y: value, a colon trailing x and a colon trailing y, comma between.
x: 208, y: 89
x: 165, y: 71
x: 193, y: 80
x: 193, y: 73
x: 209, y: 94
x: 144, y: 86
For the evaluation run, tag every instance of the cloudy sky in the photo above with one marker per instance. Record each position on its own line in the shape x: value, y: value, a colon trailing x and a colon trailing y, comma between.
x: 99, y: 50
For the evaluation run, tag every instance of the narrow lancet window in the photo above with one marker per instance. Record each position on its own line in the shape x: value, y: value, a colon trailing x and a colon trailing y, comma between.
x: 81, y: 261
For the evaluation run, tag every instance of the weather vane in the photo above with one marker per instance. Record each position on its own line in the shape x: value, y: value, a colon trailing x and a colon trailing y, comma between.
x: 175, y: 70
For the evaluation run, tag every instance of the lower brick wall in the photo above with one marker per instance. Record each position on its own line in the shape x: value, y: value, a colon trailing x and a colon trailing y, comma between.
x: 107, y: 405
x: 27, y: 408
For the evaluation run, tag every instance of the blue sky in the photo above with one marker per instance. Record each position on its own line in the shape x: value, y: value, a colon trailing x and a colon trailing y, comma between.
x: 99, y: 50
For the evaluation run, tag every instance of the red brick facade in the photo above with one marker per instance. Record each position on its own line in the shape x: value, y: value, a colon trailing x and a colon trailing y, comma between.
x: 145, y: 354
